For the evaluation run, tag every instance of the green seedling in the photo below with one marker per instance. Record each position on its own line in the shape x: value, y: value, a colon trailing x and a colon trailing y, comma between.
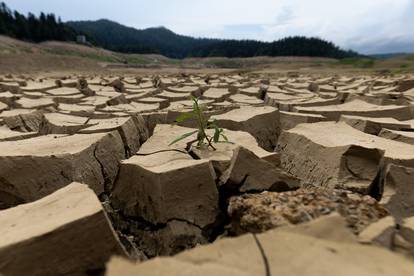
x: 203, y: 139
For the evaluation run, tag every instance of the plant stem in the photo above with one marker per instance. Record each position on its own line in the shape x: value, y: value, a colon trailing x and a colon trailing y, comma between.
x: 201, y: 124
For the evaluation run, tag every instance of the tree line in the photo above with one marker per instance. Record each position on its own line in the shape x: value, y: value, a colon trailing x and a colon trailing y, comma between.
x: 289, y: 46
x: 33, y: 28
x: 116, y: 37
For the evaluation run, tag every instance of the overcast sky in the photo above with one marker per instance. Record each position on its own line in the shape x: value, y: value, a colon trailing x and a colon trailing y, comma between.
x: 368, y: 26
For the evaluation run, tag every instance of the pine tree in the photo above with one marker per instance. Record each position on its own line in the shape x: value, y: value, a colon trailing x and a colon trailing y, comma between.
x: 32, y: 28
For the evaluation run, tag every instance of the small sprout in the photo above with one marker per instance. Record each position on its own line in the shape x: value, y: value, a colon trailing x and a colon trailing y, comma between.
x: 203, y: 125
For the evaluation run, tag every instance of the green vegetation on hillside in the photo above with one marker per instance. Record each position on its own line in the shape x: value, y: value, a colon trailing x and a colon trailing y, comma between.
x: 358, y: 62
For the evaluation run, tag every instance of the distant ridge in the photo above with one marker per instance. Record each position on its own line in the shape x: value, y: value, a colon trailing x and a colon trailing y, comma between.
x: 160, y: 40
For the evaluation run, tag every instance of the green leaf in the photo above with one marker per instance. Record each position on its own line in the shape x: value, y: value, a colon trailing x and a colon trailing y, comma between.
x: 216, y: 134
x: 182, y: 137
x: 195, y: 108
x: 184, y: 116
x: 225, y: 138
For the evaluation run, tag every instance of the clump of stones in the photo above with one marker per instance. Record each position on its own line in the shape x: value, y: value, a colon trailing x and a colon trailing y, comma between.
x: 318, y: 177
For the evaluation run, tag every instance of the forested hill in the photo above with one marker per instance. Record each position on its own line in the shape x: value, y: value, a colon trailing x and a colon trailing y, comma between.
x: 33, y: 28
x: 117, y: 37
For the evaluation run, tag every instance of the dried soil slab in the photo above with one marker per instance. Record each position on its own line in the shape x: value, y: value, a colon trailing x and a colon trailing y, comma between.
x: 226, y: 257
x: 116, y: 84
x: 126, y: 128
x: 272, y: 253
x: 64, y: 91
x: 275, y: 89
x: 380, y: 233
x: 67, y: 83
x: 13, y: 87
x: 51, y: 162
x: 307, y: 102
x: 409, y: 95
x: 343, y: 258
x: 278, y: 98
x: 10, y: 135
x: 398, y: 191
x: 34, y: 95
x: 6, y: 99
x: 248, y: 173
x: 217, y: 94
x: 187, y: 105
x: 75, y: 109
x: 24, y: 120
x: 108, y: 92
x: 152, y: 119
x: 332, y: 227
x: 3, y: 106
x: 359, y: 108
x: 163, y: 103
x: 163, y: 135
x: 132, y: 108
x: 289, y: 120
x: 193, y: 90
x: 96, y: 101
x: 254, y: 91
x: 117, y: 99
x: 56, y: 123
x: 373, y: 125
x: 172, y: 96
x: 411, y: 122
x: 405, y: 85
x: 69, y: 99
x: 39, y: 86
x: 65, y: 233
x: 226, y: 105
x: 299, y: 91
x: 261, y: 122
x: 27, y: 103
x: 246, y: 100
x: 168, y: 185
x: 400, y: 136
x: 135, y: 96
x: 404, y: 240
x: 331, y: 154
x: 379, y: 99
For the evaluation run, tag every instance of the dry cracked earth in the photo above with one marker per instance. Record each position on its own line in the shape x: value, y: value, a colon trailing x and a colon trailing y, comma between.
x: 319, y: 176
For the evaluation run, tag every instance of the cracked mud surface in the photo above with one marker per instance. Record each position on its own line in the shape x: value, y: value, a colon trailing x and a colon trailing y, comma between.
x: 317, y: 166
